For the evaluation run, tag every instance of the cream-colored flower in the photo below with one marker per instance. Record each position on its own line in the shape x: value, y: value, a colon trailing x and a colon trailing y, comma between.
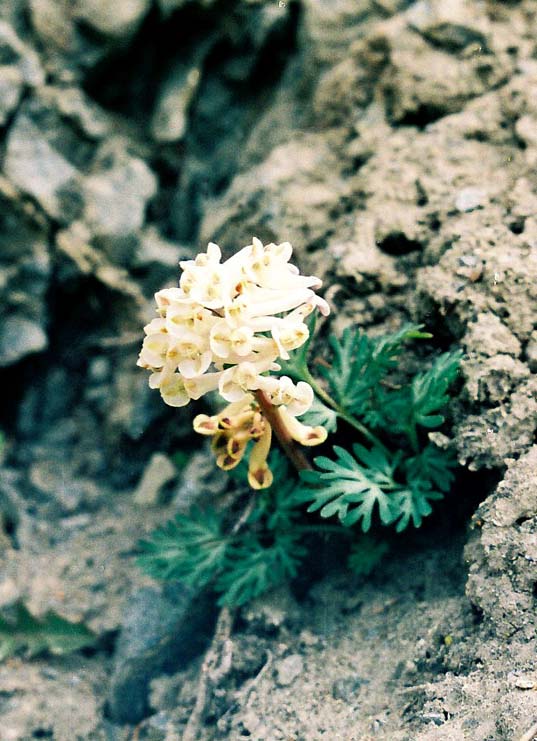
x: 228, y: 323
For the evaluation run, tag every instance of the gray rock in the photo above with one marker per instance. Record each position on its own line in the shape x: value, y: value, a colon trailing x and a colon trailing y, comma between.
x: 162, y: 630
x: 159, y: 472
x: 288, y: 669
x: 35, y: 167
x: 27, y: 61
x: 19, y: 337
x: 469, y: 199
x: 119, y: 19
x: 453, y: 25
x: 531, y: 352
x: 11, y: 82
x: 116, y: 196
x: 346, y: 688
x: 170, y: 120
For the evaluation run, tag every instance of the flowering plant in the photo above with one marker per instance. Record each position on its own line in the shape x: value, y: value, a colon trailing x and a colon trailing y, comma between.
x: 224, y: 328
x: 243, y: 328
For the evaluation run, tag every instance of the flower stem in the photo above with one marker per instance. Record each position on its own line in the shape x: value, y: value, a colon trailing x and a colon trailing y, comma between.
x: 349, y: 419
x: 289, y: 446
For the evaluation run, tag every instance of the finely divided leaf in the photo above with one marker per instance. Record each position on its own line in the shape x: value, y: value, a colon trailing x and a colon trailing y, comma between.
x: 366, y: 553
x: 320, y: 414
x: 359, y: 363
x: 429, y: 390
x: 190, y: 548
x: 350, y: 490
x: 20, y: 631
x: 413, y: 505
x: 253, y: 568
x: 350, y: 356
x: 432, y: 465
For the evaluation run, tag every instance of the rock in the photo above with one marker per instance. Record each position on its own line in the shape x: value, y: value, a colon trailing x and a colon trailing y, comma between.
x: 453, y: 25
x: 162, y: 629
x: 199, y: 477
x: 121, y: 19
x: 469, y: 199
x: 489, y: 336
x: 288, y: 669
x: 116, y: 195
x: 22, y: 56
x: 57, y: 483
x: 288, y: 196
x: 36, y: 168
x: 19, y: 337
x: 494, y: 378
x: 159, y: 472
x: 73, y: 104
x: 169, y: 121
x: 501, y: 551
x: 346, y: 688
x: 11, y: 82
x: 51, y: 23
x: 531, y: 352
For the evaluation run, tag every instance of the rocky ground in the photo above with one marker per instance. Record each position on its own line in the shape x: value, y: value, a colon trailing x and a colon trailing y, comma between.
x: 394, y: 143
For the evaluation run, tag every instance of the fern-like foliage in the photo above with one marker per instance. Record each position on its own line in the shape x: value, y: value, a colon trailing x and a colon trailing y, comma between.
x: 429, y: 390
x: 366, y: 553
x: 352, y: 489
x: 252, y: 568
x: 190, y: 548
x: 359, y: 363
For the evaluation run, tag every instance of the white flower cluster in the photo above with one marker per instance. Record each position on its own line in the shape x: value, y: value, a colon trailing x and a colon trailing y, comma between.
x: 228, y: 323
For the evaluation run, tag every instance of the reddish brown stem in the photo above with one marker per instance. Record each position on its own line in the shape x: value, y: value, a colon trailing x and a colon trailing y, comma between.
x: 289, y: 446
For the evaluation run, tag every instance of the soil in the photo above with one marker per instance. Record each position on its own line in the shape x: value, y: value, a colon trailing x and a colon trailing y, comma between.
x: 394, y: 144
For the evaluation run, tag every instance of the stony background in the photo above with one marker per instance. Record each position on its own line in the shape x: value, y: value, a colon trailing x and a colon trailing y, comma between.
x: 394, y: 143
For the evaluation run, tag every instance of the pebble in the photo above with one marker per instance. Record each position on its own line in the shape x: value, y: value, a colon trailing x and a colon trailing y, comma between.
x: 468, y: 199
x: 159, y: 472
x: 288, y: 669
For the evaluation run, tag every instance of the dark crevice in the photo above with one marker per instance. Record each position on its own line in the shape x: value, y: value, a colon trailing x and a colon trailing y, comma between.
x: 397, y: 244
x: 423, y: 116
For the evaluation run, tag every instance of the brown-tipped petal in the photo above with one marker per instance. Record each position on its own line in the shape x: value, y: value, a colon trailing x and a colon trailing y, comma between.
x: 260, y: 478
x: 236, y: 445
x: 258, y: 471
x: 226, y: 462
x: 219, y: 442
x: 237, y: 422
x: 303, y: 434
x: 205, y: 425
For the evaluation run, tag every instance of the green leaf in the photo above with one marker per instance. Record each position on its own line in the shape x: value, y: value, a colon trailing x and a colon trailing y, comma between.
x: 320, y: 414
x: 253, y: 568
x: 366, y: 554
x: 413, y: 505
x: 345, y: 377
x: 180, y: 459
x: 350, y: 490
x: 20, y: 632
x: 432, y: 465
x: 191, y: 548
x: 359, y: 363
x: 429, y: 390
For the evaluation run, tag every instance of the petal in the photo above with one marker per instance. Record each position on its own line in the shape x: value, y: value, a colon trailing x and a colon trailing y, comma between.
x: 303, y: 434
x: 173, y: 391
x: 201, y: 385
x: 192, y: 367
